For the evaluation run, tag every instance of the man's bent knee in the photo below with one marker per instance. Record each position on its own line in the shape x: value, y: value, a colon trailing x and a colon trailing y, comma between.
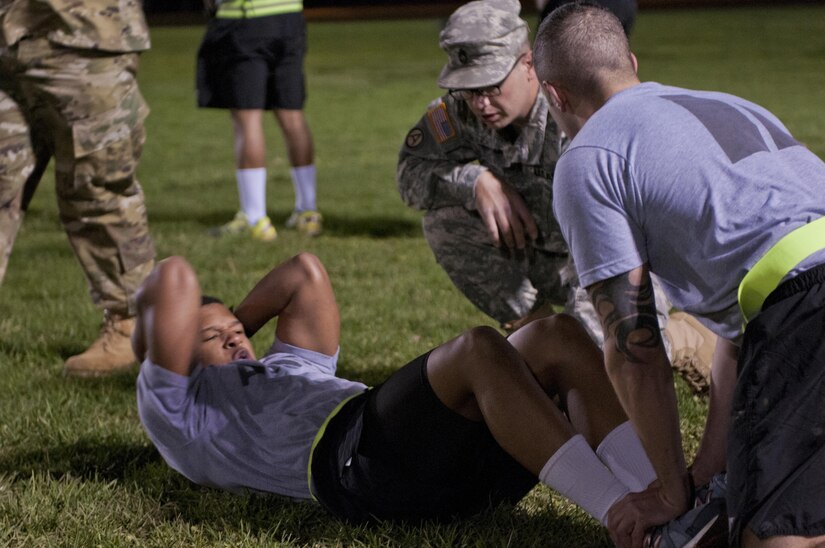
x: 311, y: 267
x: 557, y: 329
x: 481, y: 345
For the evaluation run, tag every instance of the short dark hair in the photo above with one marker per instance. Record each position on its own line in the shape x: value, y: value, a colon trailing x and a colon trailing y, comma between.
x: 579, y: 45
x: 208, y: 299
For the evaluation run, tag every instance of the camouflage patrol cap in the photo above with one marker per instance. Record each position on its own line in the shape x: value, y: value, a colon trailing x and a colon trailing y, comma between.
x: 483, y: 40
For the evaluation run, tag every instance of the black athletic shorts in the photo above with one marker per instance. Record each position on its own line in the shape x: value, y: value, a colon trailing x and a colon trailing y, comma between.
x: 254, y: 63
x: 398, y: 453
x: 776, y: 445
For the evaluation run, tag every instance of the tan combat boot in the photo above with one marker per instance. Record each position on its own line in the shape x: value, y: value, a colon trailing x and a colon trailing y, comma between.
x: 111, y: 353
x: 692, y: 346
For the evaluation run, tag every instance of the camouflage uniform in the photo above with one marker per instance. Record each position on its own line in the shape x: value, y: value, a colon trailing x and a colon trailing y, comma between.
x: 68, y: 89
x: 437, y: 170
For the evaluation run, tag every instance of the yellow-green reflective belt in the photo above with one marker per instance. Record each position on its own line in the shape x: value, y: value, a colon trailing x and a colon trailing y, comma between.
x: 247, y: 9
x: 774, y: 265
x: 320, y: 435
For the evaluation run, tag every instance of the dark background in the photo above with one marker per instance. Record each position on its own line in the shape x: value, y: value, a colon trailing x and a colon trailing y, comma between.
x: 330, y: 9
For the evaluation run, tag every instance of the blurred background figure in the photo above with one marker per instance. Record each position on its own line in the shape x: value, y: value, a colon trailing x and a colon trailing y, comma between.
x: 251, y: 60
x: 68, y: 90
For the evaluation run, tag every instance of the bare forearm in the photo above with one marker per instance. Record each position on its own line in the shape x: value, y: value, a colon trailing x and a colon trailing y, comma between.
x: 168, y: 316
x: 645, y: 390
x: 712, y: 454
x: 300, y: 294
x: 640, y: 373
x: 269, y: 297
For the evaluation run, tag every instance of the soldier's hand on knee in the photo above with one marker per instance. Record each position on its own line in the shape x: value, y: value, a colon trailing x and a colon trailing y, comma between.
x: 504, y: 212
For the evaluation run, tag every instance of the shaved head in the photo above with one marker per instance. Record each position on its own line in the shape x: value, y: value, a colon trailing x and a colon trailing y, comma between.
x: 582, y: 47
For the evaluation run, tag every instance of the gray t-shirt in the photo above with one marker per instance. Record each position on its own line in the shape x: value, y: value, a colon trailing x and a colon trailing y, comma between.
x: 248, y: 425
x: 697, y: 184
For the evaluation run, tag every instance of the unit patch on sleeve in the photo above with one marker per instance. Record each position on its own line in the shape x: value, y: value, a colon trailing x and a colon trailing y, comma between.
x: 440, y: 123
x: 414, y: 138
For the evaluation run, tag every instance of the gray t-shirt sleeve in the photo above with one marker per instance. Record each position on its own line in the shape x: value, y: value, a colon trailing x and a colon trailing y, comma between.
x: 163, y: 402
x: 593, y: 207
x: 170, y: 417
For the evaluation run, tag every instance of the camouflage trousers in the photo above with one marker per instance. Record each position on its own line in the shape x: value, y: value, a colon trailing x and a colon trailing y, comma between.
x: 507, y: 285
x: 83, y: 109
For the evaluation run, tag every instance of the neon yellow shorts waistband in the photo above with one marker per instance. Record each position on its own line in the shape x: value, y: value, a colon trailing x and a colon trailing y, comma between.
x: 767, y: 273
x: 320, y: 434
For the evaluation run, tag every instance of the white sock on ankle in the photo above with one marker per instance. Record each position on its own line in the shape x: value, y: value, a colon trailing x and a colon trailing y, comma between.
x: 303, y: 181
x: 622, y: 452
x: 577, y: 473
x: 252, y: 192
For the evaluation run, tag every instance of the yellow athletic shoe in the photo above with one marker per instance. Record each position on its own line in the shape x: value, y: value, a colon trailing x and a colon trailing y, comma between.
x: 263, y: 230
x: 239, y: 226
x: 292, y: 220
x: 306, y: 222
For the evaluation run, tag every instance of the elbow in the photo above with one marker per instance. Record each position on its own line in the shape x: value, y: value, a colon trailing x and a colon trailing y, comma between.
x: 409, y: 184
x: 174, y: 274
x: 177, y: 276
x: 406, y: 193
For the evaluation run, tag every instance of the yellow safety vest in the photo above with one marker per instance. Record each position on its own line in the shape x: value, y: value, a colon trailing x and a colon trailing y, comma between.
x: 246, y: 9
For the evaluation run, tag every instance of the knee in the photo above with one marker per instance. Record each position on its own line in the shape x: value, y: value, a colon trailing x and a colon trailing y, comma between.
x: 481, y: 345
x: 311, y: 268
x: 292, y: 121
x: 557, y: 335
x: 558, y: 327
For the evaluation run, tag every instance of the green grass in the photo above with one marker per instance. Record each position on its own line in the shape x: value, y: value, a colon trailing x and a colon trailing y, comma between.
x: 75, y: 466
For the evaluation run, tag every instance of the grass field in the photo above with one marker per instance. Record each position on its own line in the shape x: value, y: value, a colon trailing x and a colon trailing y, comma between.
x: 76, y: 468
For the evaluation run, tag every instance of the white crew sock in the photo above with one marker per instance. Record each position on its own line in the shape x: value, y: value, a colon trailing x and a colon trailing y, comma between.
x: 252, y: 192
x: 622, y: 452
x: 303, y: 181
x: 577, y: 473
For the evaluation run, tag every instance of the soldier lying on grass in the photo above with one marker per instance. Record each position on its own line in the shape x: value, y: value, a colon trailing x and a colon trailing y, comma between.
x: 463, y: 427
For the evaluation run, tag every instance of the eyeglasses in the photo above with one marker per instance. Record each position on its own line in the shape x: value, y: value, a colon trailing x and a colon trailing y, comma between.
x: 489, y: 91
x: 468, y: 94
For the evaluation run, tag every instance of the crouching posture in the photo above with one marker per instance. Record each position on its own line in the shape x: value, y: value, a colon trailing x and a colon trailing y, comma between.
x: 467, y: 425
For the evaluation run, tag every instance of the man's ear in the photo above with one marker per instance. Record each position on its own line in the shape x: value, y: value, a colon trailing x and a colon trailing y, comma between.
x: 556, y: 96
x: 635, y: 63
x: 528, y: 62
x: 528, y: 58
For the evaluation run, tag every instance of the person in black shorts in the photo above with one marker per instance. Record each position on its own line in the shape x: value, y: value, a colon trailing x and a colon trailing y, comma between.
x: 472, y: 423
x: 711, y: 193
x: 250, y: 61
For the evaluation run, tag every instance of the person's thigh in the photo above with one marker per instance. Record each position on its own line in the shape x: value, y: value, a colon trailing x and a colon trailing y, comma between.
x: 416, y: 459
x: 424, y: 435
x: 435, y: 442
x: 777, y: 440
x: 95, y: 112
x: 233, y: 65
x: 286, y: 87
x: 497, y: 281
x: 17, y: 162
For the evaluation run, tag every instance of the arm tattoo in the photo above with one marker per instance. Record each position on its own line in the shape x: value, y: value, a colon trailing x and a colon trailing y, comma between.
x: 628, y: 314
